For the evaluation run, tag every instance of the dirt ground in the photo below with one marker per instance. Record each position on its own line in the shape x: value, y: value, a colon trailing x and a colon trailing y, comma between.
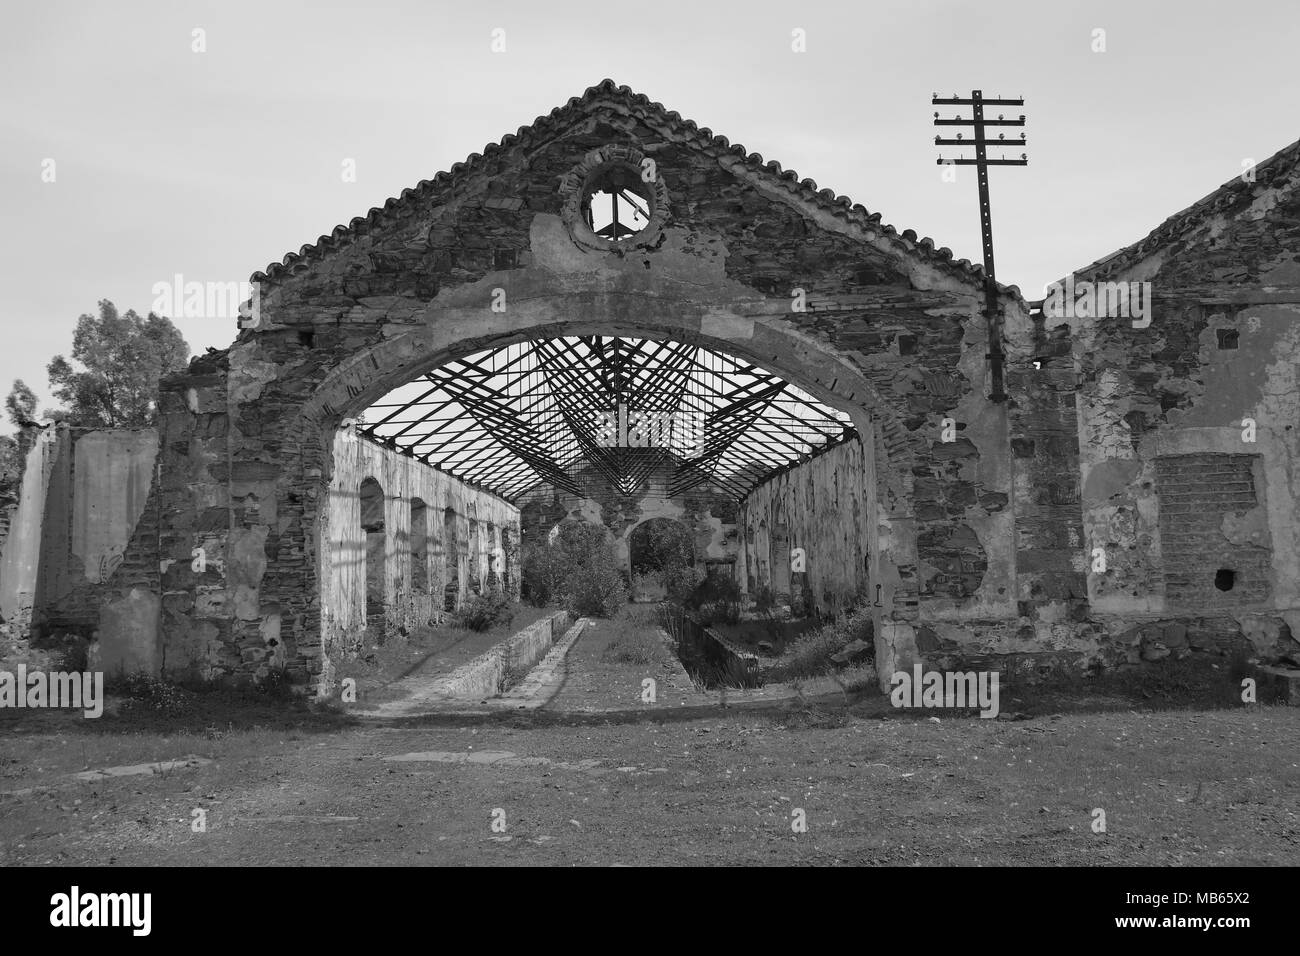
x: 656, y: 784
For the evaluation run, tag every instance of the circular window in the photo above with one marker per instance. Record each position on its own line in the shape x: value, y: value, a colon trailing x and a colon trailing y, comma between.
x: 615, y: 200
x: 616, y: 205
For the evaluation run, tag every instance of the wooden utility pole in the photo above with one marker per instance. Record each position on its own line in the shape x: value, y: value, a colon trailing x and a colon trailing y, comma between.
x: 977, y: 102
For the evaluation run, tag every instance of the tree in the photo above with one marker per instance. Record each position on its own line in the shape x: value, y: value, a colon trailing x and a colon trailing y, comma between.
x: 123, y: 357
x: 11, y: 464
x: 20, y: 404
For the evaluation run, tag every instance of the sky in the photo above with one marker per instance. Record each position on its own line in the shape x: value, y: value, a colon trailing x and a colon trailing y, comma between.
x: 212, y: 164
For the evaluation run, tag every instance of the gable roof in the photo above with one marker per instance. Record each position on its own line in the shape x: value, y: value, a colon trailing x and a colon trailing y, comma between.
x: 1234, y: 193
x: 608, y: 93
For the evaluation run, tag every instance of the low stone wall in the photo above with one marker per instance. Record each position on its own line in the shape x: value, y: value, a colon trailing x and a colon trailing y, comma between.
x: 483, y: 676
x: 702, y: 649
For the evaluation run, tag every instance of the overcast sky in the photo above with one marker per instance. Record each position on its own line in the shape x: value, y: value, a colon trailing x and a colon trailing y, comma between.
x: 214, y: 164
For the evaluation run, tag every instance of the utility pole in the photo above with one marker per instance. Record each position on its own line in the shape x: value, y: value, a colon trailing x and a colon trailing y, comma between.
x: 977, y: 102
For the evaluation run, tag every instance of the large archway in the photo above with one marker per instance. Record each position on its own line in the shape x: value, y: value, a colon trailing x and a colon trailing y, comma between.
x: 813, y: 369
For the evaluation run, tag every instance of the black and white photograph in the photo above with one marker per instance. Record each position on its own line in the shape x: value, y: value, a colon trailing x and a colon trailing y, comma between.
x: 674, y: 435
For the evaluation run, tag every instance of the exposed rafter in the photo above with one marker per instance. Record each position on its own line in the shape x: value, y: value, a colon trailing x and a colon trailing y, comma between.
x: 509, y: 417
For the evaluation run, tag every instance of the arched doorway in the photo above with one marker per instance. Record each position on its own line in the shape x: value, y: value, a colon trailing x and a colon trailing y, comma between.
x: 419, y: 547
x: 451, y: 547
x: 659, y: 552
x: 373, y: 526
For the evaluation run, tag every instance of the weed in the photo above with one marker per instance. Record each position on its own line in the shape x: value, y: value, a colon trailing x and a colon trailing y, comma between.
x: 810, y: 655
x: 485, y: 611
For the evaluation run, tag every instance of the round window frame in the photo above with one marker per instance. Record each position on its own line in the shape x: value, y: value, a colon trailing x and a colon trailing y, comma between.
x: 586, y: 176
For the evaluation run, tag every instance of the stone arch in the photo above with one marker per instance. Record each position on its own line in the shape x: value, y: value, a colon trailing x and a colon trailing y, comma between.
x: 474, y: 557
x: 419, y: 538
x: 635, y: 537
x: 370, y: 499
x: 491, y: 555
x: 360, y: 378
x: 452, y: 556
x: 780, y: 544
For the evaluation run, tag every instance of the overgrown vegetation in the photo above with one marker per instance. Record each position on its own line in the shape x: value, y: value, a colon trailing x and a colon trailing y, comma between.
x: 121, y: 359
x: 575, y: 569
x: 660, y: 548
x: 638, y: 645
x: 715, y: 599
x: 482, y: 612
x: 810, y: 655
x: 146, y: 695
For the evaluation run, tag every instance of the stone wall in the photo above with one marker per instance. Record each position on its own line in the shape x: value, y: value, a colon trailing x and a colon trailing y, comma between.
x: 1189, y: 427
x: 483, y: 531
x: 823, y: 507
x: 81, y: 537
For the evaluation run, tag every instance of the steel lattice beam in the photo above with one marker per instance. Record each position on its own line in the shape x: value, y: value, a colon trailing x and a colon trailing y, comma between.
x: 509, y: 417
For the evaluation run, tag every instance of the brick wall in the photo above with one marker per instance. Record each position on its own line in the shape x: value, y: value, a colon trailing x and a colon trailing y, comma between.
x: 1197, y: 493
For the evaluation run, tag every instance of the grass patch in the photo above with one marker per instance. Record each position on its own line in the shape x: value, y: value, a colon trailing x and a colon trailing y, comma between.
x: 810, y: 655
x: 637, y: 646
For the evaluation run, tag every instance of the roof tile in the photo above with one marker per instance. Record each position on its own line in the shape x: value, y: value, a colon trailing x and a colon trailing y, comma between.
x: 607, y: 89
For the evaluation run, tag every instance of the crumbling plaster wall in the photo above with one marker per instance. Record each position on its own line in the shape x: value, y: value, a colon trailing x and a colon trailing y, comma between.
x: 825, y: 507
x: 403, y: 479
x: 83, y: 530
x: 1162, y: 408
x: 20, y: 565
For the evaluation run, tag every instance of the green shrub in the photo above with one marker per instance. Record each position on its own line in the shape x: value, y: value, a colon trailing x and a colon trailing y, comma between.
x: 542, y: 574
x: 576, y: 569
x: 682, y: 583
x: 715, y: 600
x: 485, y: 611
x: 598, y: 591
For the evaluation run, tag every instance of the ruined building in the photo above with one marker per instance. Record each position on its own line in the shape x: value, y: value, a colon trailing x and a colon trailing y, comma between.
x: 423, y: 388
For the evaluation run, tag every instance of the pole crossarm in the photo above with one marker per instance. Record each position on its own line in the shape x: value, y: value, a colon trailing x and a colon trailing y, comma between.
x: 978, y: 122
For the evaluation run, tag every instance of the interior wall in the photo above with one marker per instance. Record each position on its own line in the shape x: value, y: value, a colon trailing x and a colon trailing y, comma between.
x: 824, y: 507
x: 402, y: 480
